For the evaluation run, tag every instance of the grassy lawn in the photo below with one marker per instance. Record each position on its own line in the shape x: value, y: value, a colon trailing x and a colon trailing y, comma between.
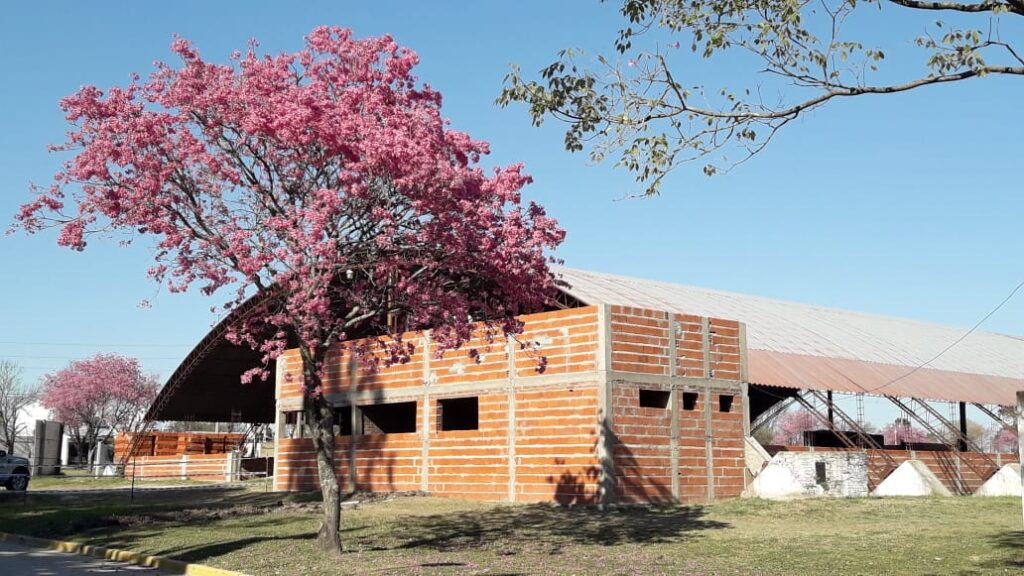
x: 265, y: 533
x: 86, y: 482
x: 93, y: 482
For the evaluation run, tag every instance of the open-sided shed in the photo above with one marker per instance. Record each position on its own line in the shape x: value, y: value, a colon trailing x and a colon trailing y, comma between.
x: 649, y: 392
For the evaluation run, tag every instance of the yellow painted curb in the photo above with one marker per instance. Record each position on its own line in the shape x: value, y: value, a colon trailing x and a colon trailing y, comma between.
x: 136, y: 558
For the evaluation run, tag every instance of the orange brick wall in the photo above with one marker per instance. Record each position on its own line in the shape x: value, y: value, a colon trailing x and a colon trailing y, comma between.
x: 202, y: 467
x: 553, y: 453
x: 644, y: 449
x: 541, y: 424
x: 567, y: 339
x: 556, y: 445
x: 682, y: 347
x: 172, y: 443
x: 641, y: 339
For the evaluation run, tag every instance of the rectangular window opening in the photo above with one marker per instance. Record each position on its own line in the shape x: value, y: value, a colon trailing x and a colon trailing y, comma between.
x: 819, y: 474
x: 459, y: 413
x: 654, y: 398
x: 395, y: 418
x: 343, y: 421
x: 291, y: 425
x: 725, y: 402
x: 689, y: 400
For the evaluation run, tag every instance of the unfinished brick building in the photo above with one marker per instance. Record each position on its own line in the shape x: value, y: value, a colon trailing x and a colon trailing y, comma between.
x: 648, y: 393
x: 599, y: 419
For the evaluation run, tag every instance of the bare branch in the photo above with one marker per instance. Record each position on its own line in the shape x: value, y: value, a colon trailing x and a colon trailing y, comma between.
x: 986, y: 6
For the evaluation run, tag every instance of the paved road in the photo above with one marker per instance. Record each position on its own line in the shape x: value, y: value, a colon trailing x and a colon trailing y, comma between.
x: 19, y: 560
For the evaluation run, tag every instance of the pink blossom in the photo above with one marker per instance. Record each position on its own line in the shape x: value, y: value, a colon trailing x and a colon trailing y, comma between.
x: 1005, y: 440
x: 104, y: 391
x: 790, y: 427
x: 900, y: 431
x: 326, y: 180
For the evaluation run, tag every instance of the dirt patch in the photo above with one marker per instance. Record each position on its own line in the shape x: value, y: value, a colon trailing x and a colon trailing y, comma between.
x: 188, y: 515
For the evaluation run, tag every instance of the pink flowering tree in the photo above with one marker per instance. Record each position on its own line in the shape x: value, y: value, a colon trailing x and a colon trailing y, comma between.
x: 326, y: 183
x: 98, y: 397
x: 1005, y: 439
x: 901, y: 430
x: 790, y: 427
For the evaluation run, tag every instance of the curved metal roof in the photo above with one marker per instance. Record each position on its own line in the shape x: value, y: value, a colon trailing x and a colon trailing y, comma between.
x: 807, y: 346
x: 207, y: 387
x: 791, y: 345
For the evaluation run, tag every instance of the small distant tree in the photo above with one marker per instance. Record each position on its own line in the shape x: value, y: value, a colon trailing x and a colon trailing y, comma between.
x: 324, y: 182
x: 976, y: 433
x: 790, y: 427
x: 901, y: 430
x: 99, y: 397
x: 14, y: 398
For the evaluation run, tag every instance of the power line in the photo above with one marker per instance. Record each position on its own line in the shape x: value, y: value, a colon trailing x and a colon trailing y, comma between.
x: 978, y: 324
x: 954, y: 343
x: 34, y: 357
x: 98, y: 344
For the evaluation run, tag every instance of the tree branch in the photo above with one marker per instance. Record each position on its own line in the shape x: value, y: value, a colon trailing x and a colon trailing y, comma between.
x: 986, y: 6
x: 838, y: 91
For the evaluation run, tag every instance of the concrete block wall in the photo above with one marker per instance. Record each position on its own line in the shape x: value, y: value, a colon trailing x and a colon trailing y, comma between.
x: 956, y: 470
x: 567, y: 429
x: 846, y: 473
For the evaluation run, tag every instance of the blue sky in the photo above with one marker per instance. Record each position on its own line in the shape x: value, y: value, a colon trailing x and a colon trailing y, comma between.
x: 906, y: 205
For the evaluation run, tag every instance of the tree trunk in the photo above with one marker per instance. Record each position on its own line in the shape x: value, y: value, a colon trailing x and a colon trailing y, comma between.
x: 320, y: 421
x: 11, y: 437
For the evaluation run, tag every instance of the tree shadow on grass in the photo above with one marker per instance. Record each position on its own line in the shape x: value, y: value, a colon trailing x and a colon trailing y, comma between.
x: 216, y: 549
x: 1012, y: 543
x: 553, y: 526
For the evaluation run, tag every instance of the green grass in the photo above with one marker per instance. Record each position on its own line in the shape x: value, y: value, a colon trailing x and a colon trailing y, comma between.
x: 81, y: 480
x: 93, y: 482
x: 266, y: 533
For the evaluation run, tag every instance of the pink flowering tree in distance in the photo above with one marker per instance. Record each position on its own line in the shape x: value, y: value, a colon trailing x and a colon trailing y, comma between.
x: 791, y: 425
x: 98, y: 397
x: 1004, y: 439
x: 901, y: 430
x: 326, y: 184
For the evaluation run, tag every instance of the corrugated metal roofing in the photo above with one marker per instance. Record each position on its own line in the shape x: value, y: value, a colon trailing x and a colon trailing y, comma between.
x: 801, y: 338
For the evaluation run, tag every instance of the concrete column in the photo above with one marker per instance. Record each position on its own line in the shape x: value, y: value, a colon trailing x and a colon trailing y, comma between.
x: 674, y: 403
x: 831, y: 412
x: 743, y: 353
x: 745, y: 397
x: 356, y: 421
x: 278, y: 415
x: 511, y: 428
x: 184, y: 466
x: 709, y: 456
x: 960, y: 444
x: 427, y: 427
x: 232, y: 466
x: 606, y: 441
x: 1020, y: 441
